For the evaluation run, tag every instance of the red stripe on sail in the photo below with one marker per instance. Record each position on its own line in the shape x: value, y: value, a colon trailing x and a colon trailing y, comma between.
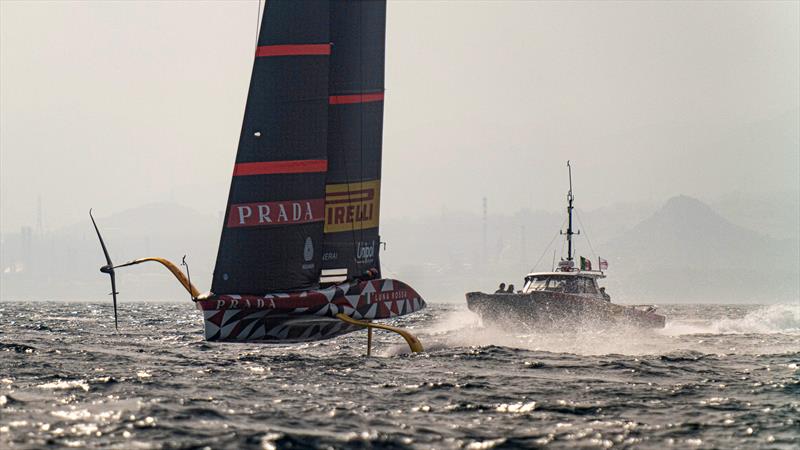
x: 278, y: 167
x: 293, y: 50
x: 355, y: 98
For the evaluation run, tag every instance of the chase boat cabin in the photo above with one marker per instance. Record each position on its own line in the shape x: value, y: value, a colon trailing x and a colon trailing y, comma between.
x: 566, y: 280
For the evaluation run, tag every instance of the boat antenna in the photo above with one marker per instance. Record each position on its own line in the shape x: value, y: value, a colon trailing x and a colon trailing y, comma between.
x: 570, y: 199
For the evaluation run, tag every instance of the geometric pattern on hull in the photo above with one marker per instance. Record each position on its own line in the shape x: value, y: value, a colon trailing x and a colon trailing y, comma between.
x: 305, y: 316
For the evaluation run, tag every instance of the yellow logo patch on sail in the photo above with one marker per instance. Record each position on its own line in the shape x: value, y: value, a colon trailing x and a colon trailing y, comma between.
x: 352, y: 206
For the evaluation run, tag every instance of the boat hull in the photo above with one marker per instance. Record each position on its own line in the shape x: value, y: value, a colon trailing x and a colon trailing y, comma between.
x: 552, y: 311
x: 305, y: 316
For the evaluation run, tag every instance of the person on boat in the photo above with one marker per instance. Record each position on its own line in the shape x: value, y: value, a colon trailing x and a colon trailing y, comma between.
x: 510, y: 289
x: 369, y: 274
x: 501, y: 289
x: 606, y: 297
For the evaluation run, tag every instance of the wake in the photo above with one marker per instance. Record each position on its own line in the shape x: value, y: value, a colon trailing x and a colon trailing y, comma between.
x: 777, y: 327
x: 772, y: 319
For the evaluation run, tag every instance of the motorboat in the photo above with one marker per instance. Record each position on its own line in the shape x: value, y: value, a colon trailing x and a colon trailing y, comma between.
x: 566, y: 296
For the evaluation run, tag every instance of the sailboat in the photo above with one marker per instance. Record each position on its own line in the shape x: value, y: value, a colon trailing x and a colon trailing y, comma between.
x: 298, y: 258
x: 567, y: 297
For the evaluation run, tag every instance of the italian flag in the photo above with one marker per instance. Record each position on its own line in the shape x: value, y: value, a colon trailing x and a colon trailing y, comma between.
x: 585, y: 264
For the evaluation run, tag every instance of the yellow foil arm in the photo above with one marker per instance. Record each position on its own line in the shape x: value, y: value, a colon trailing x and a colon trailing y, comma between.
x: 413, y: 343
x: 172, y: 268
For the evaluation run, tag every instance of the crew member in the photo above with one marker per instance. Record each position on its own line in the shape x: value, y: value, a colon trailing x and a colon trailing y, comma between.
x: 501, y: 289
x: 369, y: 274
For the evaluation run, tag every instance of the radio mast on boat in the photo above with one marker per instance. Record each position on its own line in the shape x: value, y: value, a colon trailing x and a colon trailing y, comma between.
x: 569, y: 232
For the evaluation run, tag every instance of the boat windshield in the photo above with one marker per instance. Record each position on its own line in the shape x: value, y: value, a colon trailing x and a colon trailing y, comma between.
x: 534, y: 284
x: 569, y: 285
x: 560, y: 284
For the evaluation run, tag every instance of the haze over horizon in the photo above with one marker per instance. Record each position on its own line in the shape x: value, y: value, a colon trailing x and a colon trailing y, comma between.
x: 678, y: 251
x: 117, y: 105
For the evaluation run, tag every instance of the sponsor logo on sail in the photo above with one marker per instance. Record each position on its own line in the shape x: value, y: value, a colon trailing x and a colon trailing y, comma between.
x: 308, y: 254
x: 365, y: 252
x: 287, y: 212
x: 352, y: 206
x: 308, y: 250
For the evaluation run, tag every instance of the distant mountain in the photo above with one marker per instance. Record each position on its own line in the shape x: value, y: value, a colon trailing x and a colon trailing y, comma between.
x: 687, y: 232
x: 686, y: 251
x: 775, y: 214
x: 161, y: 219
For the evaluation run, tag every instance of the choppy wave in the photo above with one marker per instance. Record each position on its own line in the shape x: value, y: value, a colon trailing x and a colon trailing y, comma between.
x: 716, y: 377
x: 782, y: 318
x: 769, y: 319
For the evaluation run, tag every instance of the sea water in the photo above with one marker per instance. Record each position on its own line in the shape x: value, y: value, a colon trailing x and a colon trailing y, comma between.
x: 718, y: 376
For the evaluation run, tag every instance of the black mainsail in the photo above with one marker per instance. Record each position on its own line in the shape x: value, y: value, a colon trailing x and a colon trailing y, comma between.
x: 355, y: 134
x: 272, y: 233
x: 305, y: 193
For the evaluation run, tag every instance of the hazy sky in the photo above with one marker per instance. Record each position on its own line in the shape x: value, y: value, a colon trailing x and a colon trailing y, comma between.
x: 117, y: 104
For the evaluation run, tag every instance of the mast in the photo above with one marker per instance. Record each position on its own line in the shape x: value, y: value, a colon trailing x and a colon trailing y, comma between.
x: 570, y: 198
